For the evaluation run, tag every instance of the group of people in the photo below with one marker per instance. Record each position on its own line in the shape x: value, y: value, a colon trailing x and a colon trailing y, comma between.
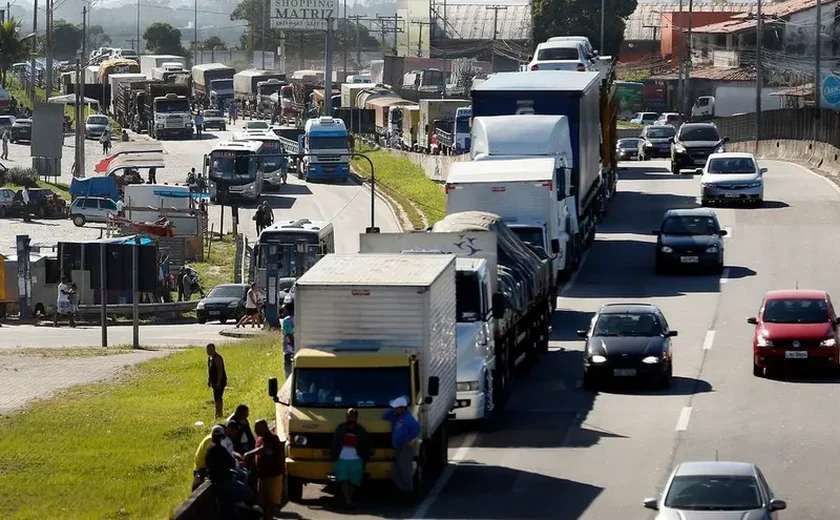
x: 263, y: 217
x: 196, y: 181
x: 246, y: 469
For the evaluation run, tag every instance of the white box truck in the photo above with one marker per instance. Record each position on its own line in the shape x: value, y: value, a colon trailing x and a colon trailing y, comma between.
x: 154, y: 61
x: 369, y: 329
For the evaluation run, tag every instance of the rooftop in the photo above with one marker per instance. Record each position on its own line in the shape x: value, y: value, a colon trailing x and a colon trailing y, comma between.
x: 716, y: 468
x: 746, y: 20
x: 558, y: 80
x: 475, y: 21
x: 639, y: 26
x: 713, y: 74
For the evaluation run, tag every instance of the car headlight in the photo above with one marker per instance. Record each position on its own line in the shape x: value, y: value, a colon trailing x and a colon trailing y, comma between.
x: 233, y: 305
x: 299, y: 440
x: 712, y: 249
x: 764, y: 342
x: 666, y: 249
x: 467, y: 386
x: 708, y: 185
x: 651, y: 360
x: 830, y: 342
x: 597, y: 359
x: 200, y: 305
x: 679, y: 148
x: 189, y: 125
x: 720, y: 149
x: 756, y: 184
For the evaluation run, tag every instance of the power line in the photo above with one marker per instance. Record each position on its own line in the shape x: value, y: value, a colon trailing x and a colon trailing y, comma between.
x: 421, y: 23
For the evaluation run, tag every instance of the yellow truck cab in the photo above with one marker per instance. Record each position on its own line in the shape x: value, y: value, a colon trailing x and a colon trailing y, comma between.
x: 369, y: 329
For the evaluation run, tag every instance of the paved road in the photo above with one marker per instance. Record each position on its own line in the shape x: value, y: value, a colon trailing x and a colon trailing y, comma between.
x: 560, y: 452
x: 31, y: 336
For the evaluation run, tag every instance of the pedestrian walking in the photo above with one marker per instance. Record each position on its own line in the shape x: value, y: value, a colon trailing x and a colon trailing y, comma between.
x: 232, y: 112
x: 64, y: 304
x: 199, y: 124
x: 216, y: 377
x: 259, y: 219
x: 404, y: 430
x: 252, y: 307
x: 105, y: 139
x: 288, y: 326
x: 350, y: 451
x: 120, y: 208
x: 268, y: 215
x: 5, y: 139
x: 201, y: 183
x: 152, y: 175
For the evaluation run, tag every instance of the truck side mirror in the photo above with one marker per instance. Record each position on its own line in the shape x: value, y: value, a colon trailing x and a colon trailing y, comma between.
x: 670, y: 139
x: 555, y: 246
x: 434, y: 386
x: 498, y: 306
x: 272, y: 388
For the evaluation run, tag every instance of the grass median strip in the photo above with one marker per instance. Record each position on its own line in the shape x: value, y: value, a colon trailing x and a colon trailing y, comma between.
x: 406, y: 183
x: 217, y: 267
x: 125, y: 449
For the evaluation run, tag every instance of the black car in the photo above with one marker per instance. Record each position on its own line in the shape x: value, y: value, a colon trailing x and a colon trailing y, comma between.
x: 693, y: 144
x: 628, y: 341
x: 225, y: 302
x: 628, y: 149
x: 656, y: 141
x: 22, y: 130
x: 689, y: 238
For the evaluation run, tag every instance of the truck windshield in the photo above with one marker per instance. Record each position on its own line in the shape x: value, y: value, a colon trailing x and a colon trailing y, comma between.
x: 327, y: 143
x: 170, y: 106
x: 532, y: 235
x: 467, y: 297
x: 432, y: 78
x: 232, y: 166
x: 350, y: 387
x: 267, y: 90
x: 271, y: 160
x: 221, y: 84
x: 462, y: 126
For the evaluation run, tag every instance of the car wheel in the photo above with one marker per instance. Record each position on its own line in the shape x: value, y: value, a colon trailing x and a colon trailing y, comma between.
x: 665, y: 382
x: 79, y: 220
x: 758, y: 371
x: 759, y: 203
x: 2, y: 211
x: 222, y: 320
x: 675, y: 168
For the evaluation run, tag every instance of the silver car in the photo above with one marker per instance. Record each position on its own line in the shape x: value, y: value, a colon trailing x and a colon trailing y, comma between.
x: 96, y: 125
x: 716, y: 490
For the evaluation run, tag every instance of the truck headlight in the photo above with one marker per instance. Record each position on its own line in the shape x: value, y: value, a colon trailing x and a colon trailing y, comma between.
x: 158, y: 125
x: 830, y: 342
x: 764, y: 342
x: 467, y: 386
x: 299, y: 440
x: 189, y: 125
x: 597, y: 359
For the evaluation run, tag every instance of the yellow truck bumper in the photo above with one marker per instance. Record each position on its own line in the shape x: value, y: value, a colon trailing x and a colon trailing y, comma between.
x: 322, y: 471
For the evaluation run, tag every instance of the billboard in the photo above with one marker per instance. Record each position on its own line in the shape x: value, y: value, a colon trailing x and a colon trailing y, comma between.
x: 303, y: 15
x: 830, y: 89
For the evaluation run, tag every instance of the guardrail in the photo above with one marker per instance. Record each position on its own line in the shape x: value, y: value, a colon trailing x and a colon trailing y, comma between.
x: 145, y: 308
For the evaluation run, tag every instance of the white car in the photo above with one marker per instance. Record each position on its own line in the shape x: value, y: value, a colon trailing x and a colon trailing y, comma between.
x: 732, y: 177
x: 562, y: 55
x: 645, y: 118
x: 91, y: 209
x: 257, y: 125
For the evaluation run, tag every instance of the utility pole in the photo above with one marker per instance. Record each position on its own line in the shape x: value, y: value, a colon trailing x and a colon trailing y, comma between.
x: 328, y: 69
x: 84, y: 35
x: 421, y: 23
x: 138, y: 26
x: 495, y: 9
x: 344, y: 40
x: 818, y: 71
x: 396, y: 29
x: 686, y: 86
x: 759, y: 34
x: 195, y: 41
x: 679, y: 103
x: 603, y: 15
x: 131, y: 42
x: 356, y: 19
x: 32, y: 71
x: 264, y: 22
x: 79, y: 148
x: 48, y: 69
x: 80, y: 103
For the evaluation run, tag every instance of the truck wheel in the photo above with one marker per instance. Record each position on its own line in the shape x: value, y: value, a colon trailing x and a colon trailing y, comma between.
x: 546, y: 332
x: 501, y: 377
x: 295, y: 489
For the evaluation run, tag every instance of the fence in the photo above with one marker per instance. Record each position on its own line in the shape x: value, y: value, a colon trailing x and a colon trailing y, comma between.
x: 791, y: 124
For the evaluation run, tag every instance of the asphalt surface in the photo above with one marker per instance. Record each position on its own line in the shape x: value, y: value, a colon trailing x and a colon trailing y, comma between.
x: 560, y: 452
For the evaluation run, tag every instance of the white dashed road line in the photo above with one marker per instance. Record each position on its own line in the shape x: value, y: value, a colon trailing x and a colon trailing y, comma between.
x: 724, y: 277
x: 710, y: 339
x: 682, y: 422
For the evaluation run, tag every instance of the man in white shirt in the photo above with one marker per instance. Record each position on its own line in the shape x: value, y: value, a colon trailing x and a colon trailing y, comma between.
x: 120, y: 207
x: 252, y: 307
x: 63, y: 304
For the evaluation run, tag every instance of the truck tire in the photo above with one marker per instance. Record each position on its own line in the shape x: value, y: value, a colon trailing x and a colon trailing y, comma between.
x: 295, y: 489
x: 546, y: 337
x: 501, y: 380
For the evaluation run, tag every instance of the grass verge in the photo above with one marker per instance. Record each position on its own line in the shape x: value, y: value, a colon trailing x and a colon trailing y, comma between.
x: 406, y: 183
x: 61, y: 353
x: 217, y: 267
x: 17, y: 91
x: 124, y: 449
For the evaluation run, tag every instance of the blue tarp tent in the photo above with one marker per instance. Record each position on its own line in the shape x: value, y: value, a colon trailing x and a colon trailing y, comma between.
x: 95, y: 187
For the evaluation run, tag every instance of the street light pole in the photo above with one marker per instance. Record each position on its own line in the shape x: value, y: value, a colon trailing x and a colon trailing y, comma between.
x: 372, y: 228
x: 195, y: 38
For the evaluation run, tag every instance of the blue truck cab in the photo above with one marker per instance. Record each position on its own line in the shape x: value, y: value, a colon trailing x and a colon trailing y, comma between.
x: 326, y: 138
x: 463, y: 120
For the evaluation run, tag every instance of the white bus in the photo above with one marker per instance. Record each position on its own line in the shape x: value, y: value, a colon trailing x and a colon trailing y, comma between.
x: 275, y: 167
x: 238, y: 165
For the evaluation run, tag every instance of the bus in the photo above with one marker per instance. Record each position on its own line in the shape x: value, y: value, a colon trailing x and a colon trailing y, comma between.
x: 275, y: 166
x: 631, y: 98
x: 284, y: 251
x: 238, y: 165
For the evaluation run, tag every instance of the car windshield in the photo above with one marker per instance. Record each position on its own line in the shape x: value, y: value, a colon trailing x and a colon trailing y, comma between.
x: 530, y: 235
x: 686, y: 225
x: 628, y: 144
x: 796, y: 311
x: 97, y: 120
x: 212, y: 113
x: 714, y: 493
x: 23, y: 123
x: 6, y: 121
x: 350, y: 387
x: 650, y: 117
x: 558, y: 53
x: 228, y: 291
x: 701, y: 133
x: 662, y: 132
x: 732, y: 165
x: 641, y: 324
x: 257, y: 125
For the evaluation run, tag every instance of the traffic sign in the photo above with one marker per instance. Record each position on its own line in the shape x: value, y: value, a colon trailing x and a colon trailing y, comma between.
x: 303, y: 15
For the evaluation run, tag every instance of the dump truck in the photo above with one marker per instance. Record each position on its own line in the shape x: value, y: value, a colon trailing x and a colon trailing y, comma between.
x: 214, y: 83
x: 167, y: 110
x: 116, y: 66
x: 503, y: 292
x: 369, y: 329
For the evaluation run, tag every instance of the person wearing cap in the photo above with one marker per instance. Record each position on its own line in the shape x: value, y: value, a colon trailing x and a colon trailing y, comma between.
x: 200, y: 464
x: 350, y: 451
x: 404, y: 430
x: 288, y: 325
x: 223, y: 472
x: 269, y: 458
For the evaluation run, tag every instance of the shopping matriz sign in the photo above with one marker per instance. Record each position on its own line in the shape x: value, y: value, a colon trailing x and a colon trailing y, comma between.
x: 303, y: 15
x: 830, y: 91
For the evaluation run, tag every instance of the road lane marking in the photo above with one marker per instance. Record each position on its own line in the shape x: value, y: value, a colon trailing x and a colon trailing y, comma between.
x: 682, y: 422
x: 460, y: 455
x: 710, y: 338
x: 724, y: 276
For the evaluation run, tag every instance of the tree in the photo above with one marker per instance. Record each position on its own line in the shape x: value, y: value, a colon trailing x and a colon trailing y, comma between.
x: 13, y: 47
x: 583, y: 18
x: 163, y: 38
x: 67, y: 40
x: 213, y: 43
x: 96, y: 37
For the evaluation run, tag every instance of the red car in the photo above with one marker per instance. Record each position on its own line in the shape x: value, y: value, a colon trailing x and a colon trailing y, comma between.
x: 795, y: 329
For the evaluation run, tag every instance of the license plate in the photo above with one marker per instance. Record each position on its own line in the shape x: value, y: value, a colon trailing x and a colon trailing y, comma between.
x: 329, y: 170
x: 732, y: 196
x: 796, y: 354
x: 214, y: 313
x: 624, y: 372
x: 689, y: 259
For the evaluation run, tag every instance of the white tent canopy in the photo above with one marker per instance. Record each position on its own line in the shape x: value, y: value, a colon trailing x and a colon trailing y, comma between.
x: 70, y: 99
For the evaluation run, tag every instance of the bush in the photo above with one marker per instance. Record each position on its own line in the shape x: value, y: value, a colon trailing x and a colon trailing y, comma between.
x: 22, y: 177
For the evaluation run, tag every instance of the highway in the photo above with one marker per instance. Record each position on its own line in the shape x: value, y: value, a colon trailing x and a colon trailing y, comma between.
x: 560, y: 452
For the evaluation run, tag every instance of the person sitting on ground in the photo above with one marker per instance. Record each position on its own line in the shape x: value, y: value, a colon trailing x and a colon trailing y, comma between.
x: 246, y: 440
x: 200, y: 473
x: 221, y: 469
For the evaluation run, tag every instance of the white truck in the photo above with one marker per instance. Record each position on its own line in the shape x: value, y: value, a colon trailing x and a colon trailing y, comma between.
x: 116, y: 80
x: 432, y: 110
x: 369, y: 329
x: 171, y: 73
x: 154, y: 61
x: 508, y: 138
x: 730, y: 100
x: 91, y: 74
x: 521, y: 191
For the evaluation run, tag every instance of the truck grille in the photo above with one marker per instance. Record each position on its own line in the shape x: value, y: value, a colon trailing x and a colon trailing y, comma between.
x: 323, y: 441
x: 329, y: 158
